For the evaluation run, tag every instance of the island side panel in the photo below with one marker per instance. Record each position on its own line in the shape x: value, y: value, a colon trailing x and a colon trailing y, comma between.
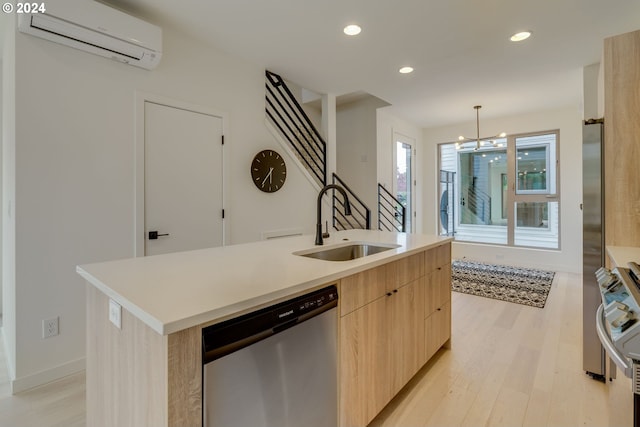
x: 126, y: 369
x: 185, y: 378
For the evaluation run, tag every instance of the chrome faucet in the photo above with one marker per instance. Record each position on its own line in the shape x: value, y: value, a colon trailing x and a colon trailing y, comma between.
x: 347, y: 208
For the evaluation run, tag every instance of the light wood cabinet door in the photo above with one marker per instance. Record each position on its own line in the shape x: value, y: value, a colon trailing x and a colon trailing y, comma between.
x: 438, y: 329
x: 405, y: 310
x: 382, y: 347
x: 622, y: 138
x: 382, y: 340
x: 437, y: 299
x: 364, y: 365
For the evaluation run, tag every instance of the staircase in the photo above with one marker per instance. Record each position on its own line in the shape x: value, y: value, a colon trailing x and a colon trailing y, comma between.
x: 360, y: 214
x: 391, y: 212
x: 293, y: 125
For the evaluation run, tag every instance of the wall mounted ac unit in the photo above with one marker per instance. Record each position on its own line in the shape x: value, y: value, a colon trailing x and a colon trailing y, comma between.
x: 98, y: 29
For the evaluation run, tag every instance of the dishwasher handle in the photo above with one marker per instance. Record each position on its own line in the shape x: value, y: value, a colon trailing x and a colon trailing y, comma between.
x: 618, y: 358
x: 220, y: 351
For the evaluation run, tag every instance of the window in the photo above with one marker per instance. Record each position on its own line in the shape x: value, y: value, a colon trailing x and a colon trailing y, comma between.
x: 403, y: 183
x: 506, y: 192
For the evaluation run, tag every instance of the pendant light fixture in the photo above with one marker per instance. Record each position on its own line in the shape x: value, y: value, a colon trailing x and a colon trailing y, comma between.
x: 479, y: 141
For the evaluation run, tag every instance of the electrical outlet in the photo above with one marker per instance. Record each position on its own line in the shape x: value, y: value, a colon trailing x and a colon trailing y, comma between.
x: 50, y: 327
x: 115, y: 313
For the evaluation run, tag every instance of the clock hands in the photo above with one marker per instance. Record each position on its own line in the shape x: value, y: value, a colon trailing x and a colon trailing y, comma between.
x: 269, y: 175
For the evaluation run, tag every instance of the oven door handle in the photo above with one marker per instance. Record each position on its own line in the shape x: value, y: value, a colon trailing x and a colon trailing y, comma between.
x: 619, y: 359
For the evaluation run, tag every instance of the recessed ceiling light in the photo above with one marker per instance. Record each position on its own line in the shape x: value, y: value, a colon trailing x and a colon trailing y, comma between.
x: 518, y: 37
x: 406, y: 70
x: 352, y: 30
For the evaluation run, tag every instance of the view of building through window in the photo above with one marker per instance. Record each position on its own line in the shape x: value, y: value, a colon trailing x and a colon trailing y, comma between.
x: 504, y: 193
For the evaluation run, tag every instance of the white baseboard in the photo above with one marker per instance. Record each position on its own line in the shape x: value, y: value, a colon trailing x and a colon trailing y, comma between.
x: 43, y: 377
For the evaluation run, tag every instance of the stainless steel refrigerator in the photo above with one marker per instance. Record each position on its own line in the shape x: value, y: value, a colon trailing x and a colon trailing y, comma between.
x: 593, y: 249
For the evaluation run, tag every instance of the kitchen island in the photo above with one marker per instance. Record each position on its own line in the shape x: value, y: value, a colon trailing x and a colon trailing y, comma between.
x: 149, y: 371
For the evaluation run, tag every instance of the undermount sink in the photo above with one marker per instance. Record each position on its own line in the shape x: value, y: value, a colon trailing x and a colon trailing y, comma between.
x: 347, y: 252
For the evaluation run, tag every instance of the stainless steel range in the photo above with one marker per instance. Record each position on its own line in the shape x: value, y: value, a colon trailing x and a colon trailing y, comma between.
x: 618, y: 323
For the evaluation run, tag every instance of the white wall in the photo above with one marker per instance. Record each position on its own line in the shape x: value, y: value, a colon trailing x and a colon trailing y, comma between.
x: 591, y: 97
x: 356, y: 149
x: 8, y: 195
x: 593, y: 91
x: 1, y: 107
x: 74, y: 177
x: 388, y: 125
x: 568, y: 120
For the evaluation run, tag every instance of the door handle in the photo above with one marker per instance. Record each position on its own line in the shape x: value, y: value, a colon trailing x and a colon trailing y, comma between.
x: 153, y: 235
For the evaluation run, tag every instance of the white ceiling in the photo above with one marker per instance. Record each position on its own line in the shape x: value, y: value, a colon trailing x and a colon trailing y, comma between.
x: 460, y: 49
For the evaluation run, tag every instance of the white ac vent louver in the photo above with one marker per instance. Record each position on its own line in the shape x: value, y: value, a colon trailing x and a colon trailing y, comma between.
x: 99, y: 29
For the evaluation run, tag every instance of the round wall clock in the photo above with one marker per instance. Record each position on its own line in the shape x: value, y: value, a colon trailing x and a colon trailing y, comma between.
x: 268, y: 171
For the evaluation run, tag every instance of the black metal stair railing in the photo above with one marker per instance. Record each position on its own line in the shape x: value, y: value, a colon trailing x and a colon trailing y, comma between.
x: 289, y: 118
x: 360, y: 214
x: 293, y: 124
x: 391, y: 213
x: 479, y: 203
x: 447, y: 203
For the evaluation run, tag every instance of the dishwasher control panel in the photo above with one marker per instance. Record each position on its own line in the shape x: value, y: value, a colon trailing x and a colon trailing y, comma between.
x: 313, y: 302
x: 231, y: 335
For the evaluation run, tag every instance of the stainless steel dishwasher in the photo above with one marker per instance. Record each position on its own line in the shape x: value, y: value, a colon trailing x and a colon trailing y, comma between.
x: 275, y: 367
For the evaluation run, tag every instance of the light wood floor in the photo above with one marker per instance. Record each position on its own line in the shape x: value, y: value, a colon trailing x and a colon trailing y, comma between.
x: 512, y: 365
x: 509, y: 365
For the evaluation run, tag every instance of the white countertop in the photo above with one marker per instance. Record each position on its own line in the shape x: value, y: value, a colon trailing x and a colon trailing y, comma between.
x: 176, y: 291
x: 621, y: 255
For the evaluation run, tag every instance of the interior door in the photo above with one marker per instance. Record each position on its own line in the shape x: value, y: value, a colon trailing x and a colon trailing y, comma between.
x: 182, y: 179
x: 404, y: 178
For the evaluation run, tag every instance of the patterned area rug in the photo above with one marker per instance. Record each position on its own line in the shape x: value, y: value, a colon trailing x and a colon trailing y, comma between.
x: 513, y: 284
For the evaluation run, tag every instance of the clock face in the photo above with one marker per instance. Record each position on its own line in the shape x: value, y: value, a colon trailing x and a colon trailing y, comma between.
x: 268, y: 171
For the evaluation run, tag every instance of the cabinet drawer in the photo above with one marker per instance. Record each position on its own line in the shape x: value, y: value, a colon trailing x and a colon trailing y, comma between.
x: 443, y: 255
x: 437, y: 289
x: 437, y: 329
x: 404, y: 271
x: 362, y: 288
x: 439, y: 256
